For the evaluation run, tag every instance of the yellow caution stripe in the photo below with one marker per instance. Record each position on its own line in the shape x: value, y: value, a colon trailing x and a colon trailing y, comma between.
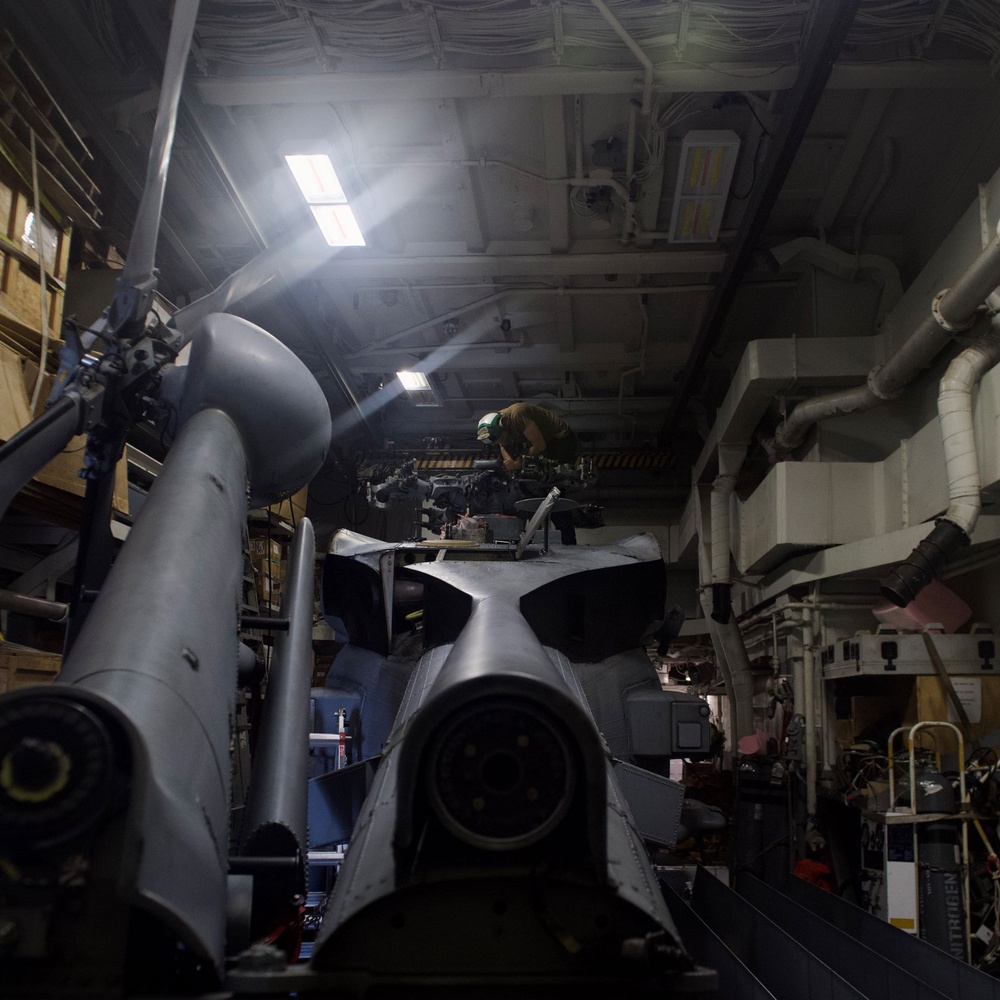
x: 631, y: 460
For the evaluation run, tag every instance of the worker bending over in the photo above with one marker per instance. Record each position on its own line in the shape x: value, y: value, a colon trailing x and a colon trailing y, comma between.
x: 523, y: 429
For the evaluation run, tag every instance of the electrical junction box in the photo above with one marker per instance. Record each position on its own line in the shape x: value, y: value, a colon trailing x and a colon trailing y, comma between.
x: 667, y: 723
x: 890, y: 655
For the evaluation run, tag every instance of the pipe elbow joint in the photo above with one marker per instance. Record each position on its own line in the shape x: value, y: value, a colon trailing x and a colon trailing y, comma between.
x: 781, y: 445
x: 906, y: 581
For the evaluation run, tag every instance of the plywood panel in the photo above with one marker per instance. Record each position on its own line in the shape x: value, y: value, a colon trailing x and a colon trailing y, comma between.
x: 21, y: 667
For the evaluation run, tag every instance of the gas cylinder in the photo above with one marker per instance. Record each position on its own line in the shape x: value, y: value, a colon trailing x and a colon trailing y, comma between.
x: 941, y: 897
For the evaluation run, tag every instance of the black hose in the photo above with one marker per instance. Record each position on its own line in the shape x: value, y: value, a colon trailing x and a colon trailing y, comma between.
x: 924, y: 563
x: 722, y: 602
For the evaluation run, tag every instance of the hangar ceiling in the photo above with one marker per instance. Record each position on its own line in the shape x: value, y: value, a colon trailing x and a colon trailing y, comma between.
x: 514, y: 250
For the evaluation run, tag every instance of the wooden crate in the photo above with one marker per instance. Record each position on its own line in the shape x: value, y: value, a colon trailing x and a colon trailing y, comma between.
x: 21, y: 667
x: 930, y: 703
x: 293, y: 509
x: 19, y: 269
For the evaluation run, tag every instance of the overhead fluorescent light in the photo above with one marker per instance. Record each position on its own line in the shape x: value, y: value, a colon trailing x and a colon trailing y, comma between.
x: 338, y: 225
x: 413, y: 380
x: 418, y: 388
x: 708, y: 159
x: 316, y: 177
x: 322, y: 190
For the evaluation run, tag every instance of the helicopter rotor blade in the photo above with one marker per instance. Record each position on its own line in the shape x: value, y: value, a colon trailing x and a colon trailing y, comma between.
x: 140, y: 259
x: 291, y: 260
x: 248, y: 279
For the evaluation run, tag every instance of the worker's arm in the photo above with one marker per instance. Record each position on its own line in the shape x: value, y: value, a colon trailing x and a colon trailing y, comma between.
x: 509, y: 463
x: 536, y: 443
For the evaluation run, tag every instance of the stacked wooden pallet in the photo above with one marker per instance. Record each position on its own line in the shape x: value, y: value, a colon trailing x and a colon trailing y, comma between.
x: 21, y: 667
x: 30, y: 117
x: 26, y: 106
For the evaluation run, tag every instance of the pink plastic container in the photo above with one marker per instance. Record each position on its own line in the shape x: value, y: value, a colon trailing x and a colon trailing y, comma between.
x: 935, y: 603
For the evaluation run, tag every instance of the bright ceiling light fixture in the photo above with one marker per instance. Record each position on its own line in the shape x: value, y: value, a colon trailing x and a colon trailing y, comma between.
x: 413, y: 381
x: 708, y: 159
x: 323, y: 192
x: 418, y: 388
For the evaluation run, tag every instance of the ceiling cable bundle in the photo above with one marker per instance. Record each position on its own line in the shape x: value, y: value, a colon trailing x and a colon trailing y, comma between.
x: 263, y: 31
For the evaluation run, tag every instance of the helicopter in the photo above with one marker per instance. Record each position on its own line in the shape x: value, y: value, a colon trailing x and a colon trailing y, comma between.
x: 518, y: 865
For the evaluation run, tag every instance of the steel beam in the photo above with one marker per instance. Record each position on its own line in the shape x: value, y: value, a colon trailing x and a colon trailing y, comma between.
x: 858, y: 143
x: 51, y: 568
x: 340, y: 267
x: 554, y: 128
x: 831, y: 22
x: 468, y: 201
x: 418, y: 85
x: 465, y: 355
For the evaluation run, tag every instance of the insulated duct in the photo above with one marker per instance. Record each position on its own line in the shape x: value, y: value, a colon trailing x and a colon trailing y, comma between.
x: 731, y: 655
x: 952, y: 311
x: 955, y: 528
x: 722, y: 490
x: 843, y: 265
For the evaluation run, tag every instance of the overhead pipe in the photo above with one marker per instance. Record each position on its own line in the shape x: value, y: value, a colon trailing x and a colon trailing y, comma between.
x: 722, y: 586
x: 809, y: 699
x: 727, y: 641
x: 798, y: 663
x: 640, y: 368
x: 630, y: 201
x: 433, y: 321
x: 578, y: 133
x: 578, y: 181
x: 33, y: 607
x: 863, y: 604
x: 874, y: 193
x: 496, y: 296
x: 955, y: 528
x: 731, y: 457
x: 770, y: 636
x: 636, y: 50
x: 496, y: 345
x: 731, y: 655
x: 645, y: 107
x: 952, y: 311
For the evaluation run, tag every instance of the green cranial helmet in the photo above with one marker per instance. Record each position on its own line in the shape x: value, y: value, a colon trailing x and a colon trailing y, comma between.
x: 489, y: 427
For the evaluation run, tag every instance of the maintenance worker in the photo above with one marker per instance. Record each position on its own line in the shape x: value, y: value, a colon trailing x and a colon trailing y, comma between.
x: 523, y: 429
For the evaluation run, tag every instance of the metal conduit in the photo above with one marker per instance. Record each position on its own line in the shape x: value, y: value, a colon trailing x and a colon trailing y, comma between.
x: 638, y: 290
x: 953, y: 311
x: 33, y: 607
x: 955, y: 528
